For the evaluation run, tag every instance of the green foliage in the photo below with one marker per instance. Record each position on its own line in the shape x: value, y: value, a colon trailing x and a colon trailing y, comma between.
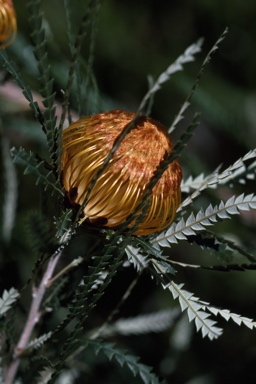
x: 38, y: 342
x: 182, y: 229
x: 8, y: 298
x: 123, y: 359
x: 48, y: 118
x: 37, y: 168
x: 75, y: 45
x: 9, y: 194
x: 40, y: 234
x: 151, y: 322
x: 62, y: 225
x: 186, y: 57
x: 10, y: 66
x: 83, y: 86
x: 74, y: 299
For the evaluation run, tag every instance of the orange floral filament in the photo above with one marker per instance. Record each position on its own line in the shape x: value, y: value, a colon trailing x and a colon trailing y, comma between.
x: 8, y: 24
x: 123, y: 183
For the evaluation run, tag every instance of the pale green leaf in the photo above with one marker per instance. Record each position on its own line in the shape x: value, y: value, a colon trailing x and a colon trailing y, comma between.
x: 7, y: 300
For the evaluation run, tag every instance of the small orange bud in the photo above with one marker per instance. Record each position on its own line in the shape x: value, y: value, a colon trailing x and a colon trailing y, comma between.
x: 123, y: 183
x: 8, y: 25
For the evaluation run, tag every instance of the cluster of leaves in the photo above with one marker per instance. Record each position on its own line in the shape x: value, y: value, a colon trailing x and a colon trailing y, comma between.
x: 53, y: 233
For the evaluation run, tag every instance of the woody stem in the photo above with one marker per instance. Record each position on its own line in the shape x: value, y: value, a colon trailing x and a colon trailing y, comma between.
x: 33, y: 318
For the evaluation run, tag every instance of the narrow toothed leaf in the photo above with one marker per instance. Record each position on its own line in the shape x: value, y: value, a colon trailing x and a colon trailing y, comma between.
x: 181, y: 236
x: 232, y: 210
x: 189, y: 231
x: 198, y: 222
x: 223, y: 215
x: 228, y: 315
x: 164, y: 243
x: 197, y: 227
x: 8, y: 299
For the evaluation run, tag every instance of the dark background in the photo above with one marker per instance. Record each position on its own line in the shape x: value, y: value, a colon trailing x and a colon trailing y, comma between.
x: 134, y: 39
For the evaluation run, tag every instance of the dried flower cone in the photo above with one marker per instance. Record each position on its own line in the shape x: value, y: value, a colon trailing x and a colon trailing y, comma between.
x: 8, y: 25
x: 123, y: 183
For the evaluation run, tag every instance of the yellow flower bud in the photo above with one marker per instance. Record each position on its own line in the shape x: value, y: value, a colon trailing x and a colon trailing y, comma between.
x: 123, y: 183
x: 8, y: 25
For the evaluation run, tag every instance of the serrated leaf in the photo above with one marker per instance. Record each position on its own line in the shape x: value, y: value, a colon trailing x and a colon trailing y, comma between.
x: 211, y: 181
x: 10, y: 196
x: 8, y: 298
x: 186, y: 57
x: 200, y: 317
x: 35, y: 168
x: 196, y: 313
x: 44, y: 375
x: 197, y: 310
x: 197, y: 222
x: 39, y: 233
x: 123, y: 359
x: 63, y: 223
x: 38, y: 342
x: 136, y: 258
x: 19, y: 81
x: 191, y: 314
x: 227, y: 315
x: 48, y: 118
x: 151, y: 322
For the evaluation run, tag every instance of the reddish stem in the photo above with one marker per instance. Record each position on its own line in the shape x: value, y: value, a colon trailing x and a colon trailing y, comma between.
x: 33, y: 318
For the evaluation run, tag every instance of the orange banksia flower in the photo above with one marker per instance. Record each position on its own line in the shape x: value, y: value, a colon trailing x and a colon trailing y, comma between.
x: 123, y: 183
x: 8, y: 25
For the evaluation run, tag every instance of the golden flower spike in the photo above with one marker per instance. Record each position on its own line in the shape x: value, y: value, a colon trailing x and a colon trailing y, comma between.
x: 8, y: 25
x: 123, y: 183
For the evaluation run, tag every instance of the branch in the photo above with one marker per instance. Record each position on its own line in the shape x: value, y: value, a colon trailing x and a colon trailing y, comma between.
x: 33, y: 317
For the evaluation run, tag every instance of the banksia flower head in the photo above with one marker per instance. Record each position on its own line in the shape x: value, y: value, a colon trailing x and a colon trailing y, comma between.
x: 123, y: 183
x: 8, y: 25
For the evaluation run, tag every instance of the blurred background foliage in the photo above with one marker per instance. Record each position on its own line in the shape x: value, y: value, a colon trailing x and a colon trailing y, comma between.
x: 135, y: 39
